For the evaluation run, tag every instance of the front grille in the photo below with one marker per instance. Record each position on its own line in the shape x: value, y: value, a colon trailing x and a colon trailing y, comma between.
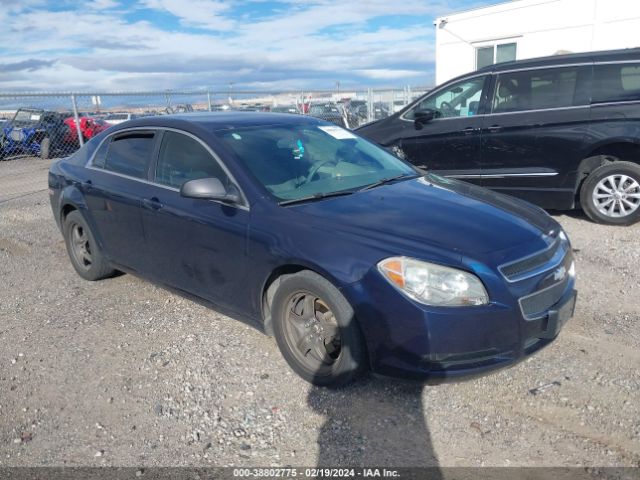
x: 529, y: 266
x: 537, y: 304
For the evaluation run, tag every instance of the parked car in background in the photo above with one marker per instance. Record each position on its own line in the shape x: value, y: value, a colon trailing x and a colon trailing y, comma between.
x: 180, y: 108
x: 284, y: 109
x: 351, y: 257
x: 117, y: 118
x: 34, y: 131
x: 327, y: 111
x: 562, y: 132
x: 89, y: 127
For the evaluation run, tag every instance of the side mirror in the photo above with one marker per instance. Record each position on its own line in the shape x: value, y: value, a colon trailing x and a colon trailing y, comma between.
x: 210, y: 188
x: 423, y: 116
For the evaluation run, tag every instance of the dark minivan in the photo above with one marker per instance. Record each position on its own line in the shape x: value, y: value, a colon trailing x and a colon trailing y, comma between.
x: 561, y: 132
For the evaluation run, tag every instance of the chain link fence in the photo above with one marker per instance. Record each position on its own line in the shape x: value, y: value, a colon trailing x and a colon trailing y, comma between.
x: 52, y: 125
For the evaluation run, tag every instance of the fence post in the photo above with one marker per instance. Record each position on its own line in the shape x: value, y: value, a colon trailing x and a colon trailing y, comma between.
x: 209, y: 100
x: 77, y: 120
x: 369, y: 105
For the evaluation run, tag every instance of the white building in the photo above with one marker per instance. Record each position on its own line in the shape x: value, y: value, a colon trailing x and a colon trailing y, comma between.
x: 523, y: 29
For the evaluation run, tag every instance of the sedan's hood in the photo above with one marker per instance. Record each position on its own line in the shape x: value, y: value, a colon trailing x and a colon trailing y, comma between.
x: 435, y: 211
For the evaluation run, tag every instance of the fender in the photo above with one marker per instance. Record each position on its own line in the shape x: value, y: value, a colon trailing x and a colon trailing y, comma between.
x: 261, y: 300
x: 71, y: 196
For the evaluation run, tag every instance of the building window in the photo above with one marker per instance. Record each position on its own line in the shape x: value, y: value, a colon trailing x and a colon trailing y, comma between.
x: 490, y: 54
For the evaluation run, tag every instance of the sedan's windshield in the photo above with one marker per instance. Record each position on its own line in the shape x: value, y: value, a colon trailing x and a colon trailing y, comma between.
x: 300, y: 161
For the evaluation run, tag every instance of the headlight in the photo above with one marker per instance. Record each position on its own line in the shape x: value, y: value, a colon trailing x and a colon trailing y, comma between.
x: 433, y: 284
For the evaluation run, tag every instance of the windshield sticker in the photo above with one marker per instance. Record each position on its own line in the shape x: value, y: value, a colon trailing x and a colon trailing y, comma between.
x: 35, y: 116
x: 337, y: 132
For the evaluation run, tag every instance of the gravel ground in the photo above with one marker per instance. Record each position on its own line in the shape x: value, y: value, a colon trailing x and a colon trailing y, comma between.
x: 123, y: 372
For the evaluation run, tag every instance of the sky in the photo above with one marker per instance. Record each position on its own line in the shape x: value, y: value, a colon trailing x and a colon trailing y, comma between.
x: 122, y: 45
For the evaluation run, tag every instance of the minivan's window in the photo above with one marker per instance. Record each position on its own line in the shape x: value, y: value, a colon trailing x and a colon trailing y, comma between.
x: 295, y: 162
x: 540, y: 89
x: 616, y: 83
x: 460, y: 99
x: 183, y: 158
x: 129, y: 154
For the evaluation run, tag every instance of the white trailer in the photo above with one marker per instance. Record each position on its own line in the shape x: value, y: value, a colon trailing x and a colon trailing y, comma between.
x: 521, y: 29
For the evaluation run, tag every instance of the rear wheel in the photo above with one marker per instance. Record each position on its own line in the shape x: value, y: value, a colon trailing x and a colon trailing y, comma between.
x: 611, y: 194
x: 85, y: 255
x: 45, y: 148
x: 316, y: 331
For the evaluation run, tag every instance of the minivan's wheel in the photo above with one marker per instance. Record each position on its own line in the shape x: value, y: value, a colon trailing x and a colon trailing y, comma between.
x: 611, y: 194
x: 83, y: 250
x: 316, y: 331
x: 45, y: 148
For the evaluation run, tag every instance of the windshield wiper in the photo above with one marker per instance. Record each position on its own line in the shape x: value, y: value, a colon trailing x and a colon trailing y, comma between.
x: 384, y: 181
x: 316, y: 196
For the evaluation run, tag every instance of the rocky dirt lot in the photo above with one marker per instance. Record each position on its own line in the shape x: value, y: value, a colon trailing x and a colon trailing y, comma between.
x: 123, y: 372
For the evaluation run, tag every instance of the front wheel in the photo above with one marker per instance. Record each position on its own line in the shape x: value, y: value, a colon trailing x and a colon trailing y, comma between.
x: 316, y: 331
x: 45, y: 148
x: 611, y: 194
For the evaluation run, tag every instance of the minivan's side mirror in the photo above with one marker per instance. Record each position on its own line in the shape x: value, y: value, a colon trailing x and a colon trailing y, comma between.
x: 210, y: 188
x: 423, y: 116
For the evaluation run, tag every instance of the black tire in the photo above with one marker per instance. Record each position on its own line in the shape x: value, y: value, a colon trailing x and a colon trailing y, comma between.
x: 349, y: 361
x: 624, y: 203
x: 93, y: 265
x: 45, y: 148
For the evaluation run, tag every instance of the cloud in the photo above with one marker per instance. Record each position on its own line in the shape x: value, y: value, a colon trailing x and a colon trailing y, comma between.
x: 30, y: 65
x: 197, y: 13
x: 210, y: 43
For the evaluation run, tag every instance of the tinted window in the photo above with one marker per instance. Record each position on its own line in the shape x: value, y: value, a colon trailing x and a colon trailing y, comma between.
x: 616, y: 83
x: 183, y: 158
x: 100, y: 156
x: 460, y: 99
x: 539, y: 89
x: 129, y: 154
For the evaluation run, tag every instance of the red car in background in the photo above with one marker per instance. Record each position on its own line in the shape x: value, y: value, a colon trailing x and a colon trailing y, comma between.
x: 89, y: 127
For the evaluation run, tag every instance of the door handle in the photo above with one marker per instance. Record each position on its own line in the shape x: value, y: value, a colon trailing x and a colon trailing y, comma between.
x: 494, y: 128
x: 87, y: 184
x: 152, y: 203
x: 469, y: 130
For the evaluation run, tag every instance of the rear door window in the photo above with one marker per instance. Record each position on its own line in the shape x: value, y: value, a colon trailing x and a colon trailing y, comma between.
x: 540, y: 89
x: 100, y: 157
x: 130, y: 153
x: 616, y: 83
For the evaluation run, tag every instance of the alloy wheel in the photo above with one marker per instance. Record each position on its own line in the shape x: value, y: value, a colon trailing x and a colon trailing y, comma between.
x: 312, y: 331
x: 81, y: 247
x: 617, y: 195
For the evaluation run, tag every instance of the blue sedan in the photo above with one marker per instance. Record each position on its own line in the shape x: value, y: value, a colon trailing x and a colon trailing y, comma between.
x: 353, y: 259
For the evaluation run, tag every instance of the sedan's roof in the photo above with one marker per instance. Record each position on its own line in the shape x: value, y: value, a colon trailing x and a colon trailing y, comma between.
x: 221, y: 120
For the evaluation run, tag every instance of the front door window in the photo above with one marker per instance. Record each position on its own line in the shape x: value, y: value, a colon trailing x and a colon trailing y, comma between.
x: 461, y: 99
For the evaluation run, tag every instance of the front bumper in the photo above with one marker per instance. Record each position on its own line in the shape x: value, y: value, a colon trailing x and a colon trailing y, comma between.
x: 438, y: 344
